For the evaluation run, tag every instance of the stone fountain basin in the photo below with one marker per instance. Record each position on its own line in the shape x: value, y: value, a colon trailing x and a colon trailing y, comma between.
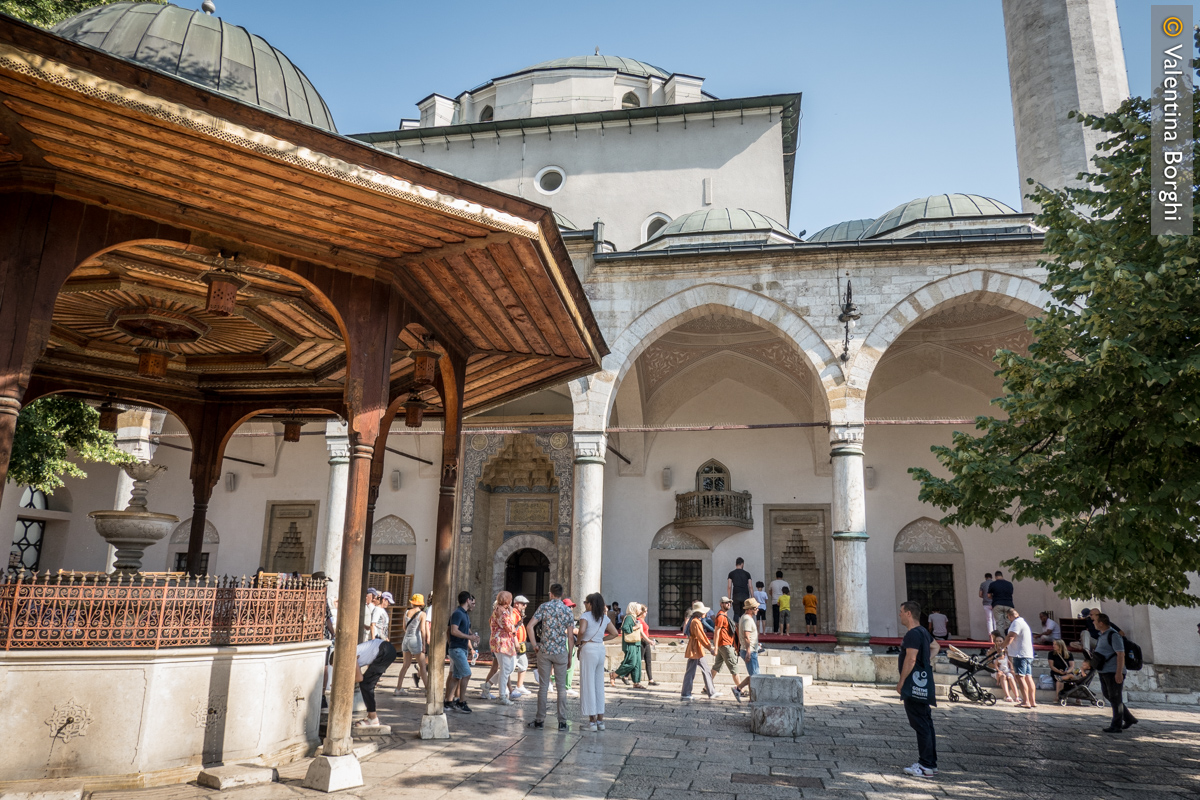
x: 133, y: 526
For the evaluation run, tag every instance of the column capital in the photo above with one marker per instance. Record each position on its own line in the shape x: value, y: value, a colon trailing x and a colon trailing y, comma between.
x: 846, y: 440
x: 589, y: 446
x: 337, y: 439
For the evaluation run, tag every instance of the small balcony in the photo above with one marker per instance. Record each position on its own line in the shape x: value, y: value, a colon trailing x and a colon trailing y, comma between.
x: 714, y: 507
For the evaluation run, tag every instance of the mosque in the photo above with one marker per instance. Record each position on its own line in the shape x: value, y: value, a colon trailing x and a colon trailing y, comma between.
x: 763, y: 393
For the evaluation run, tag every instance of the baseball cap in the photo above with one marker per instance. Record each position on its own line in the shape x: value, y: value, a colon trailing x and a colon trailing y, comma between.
x: 388, y: 596
x: 569, y: 603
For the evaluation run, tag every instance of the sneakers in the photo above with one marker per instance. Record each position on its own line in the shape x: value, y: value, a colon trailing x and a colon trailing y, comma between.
x: 592, y: 727
x: 572, y: 693
x: 715, y: 695
x: 485, y: 691
x: 562, y: 725
x: 506, y: 701
x: 461, y: 706
x: 519, y: 693
x: 738, y: 694
x: 918, y: 771
x: 536, y: 724
x: 600, y: 724
x: 447, y: 706
x: 687, y: 697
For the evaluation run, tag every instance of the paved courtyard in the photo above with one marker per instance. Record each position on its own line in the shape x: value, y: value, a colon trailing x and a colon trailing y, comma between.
x: 855, y: 744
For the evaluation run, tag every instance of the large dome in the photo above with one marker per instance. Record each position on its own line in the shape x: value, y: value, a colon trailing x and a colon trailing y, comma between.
x: 204, y: 50
x: 628, y: 66
x: 846, y: 231
x: 938, y: 206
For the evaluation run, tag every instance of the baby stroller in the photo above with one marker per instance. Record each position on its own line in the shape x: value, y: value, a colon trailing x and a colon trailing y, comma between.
x: 1078, y: 687
x: 966, y: 682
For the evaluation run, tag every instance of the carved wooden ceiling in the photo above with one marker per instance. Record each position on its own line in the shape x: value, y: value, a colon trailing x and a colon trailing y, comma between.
x: 486, y: 274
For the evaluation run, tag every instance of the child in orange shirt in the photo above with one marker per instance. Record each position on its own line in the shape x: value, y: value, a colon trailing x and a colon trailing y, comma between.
x: 810, y: 611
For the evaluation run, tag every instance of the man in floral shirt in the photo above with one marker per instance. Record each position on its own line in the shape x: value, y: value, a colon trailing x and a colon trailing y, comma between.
x: 553, y: 652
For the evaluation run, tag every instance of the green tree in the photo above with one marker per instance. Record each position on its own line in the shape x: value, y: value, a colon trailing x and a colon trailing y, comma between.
x: 47, y: 13
x: 1101, y: 445
x: 48, y: 431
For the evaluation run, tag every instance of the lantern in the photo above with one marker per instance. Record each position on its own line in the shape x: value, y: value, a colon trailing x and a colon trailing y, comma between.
x: 426, y: 366
x: 223, y: 287
x: 291, y: 430
x: 414, y: 411
x: 108, y: 416
x: 152, y: 361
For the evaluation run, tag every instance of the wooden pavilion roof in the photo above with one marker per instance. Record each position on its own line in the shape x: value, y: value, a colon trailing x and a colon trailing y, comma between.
x: 266, y: 196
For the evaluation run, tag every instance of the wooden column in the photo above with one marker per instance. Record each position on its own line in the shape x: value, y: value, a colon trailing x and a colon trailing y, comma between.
x: 373, y: 497
x: 341, y: 706
x: 451, y: 379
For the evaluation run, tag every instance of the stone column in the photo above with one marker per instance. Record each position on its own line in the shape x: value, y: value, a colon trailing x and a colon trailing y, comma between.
x: 337, y: 439
x: 588, y: 529
x: 849, y: 538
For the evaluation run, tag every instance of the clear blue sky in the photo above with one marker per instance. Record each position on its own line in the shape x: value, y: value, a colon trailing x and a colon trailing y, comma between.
x: 901, y: 100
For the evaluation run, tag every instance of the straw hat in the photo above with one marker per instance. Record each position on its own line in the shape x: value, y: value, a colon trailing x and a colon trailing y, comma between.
x: 750, y: 603
x: 698, y: 608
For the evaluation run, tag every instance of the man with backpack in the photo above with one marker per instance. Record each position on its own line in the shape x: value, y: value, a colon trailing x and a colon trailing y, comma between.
x: 1109, y: 660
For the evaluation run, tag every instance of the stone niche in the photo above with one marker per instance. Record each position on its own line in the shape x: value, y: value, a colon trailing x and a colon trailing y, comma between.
x: 118, y: 719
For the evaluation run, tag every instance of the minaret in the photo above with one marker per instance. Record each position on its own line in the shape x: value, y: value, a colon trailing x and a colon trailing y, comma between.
x: 1063, y: 56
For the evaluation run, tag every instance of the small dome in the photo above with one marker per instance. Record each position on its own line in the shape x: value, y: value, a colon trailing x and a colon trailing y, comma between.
x: 204, y: 50
x: 722, y: 220
x: 938, y: 206
x: 626, y: 65
x: 563, y: 223
x: 846, y: 231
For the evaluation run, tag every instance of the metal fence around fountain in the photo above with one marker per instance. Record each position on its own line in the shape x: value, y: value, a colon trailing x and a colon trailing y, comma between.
x: 90, y: 610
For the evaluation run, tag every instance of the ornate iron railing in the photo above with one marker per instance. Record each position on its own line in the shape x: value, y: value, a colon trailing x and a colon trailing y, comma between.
x: 714, y: 508
x: 78, y: 610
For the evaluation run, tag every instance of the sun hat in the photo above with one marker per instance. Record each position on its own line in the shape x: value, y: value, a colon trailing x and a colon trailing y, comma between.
x: 521, y: 599
x: 417, y: 600
x: 698, y: 608
x: 750, y: 603
x: 388, y: 596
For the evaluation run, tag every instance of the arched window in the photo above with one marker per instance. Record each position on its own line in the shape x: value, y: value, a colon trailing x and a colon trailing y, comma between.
x: 630, y: 100
x: 713, y: 476
x: 653, y: 225
x: 487, y: 115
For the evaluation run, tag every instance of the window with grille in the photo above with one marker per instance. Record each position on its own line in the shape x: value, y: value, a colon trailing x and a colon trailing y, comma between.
x: 679, y: 585
x: 181, y: 562
x: 26, y: 551
x: 932, y: 585
x: 395, y: 563
x: 713, y: 476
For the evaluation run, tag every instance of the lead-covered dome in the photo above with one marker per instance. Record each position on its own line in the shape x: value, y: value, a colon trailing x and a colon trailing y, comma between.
x: 721, y: 226
x: 846, y: 231
x: 628, y: 66
x: 204, y: 50
x: 938, y: 206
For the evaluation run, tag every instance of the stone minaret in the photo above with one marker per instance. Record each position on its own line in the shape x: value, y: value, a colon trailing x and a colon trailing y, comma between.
x: 1063, y: 56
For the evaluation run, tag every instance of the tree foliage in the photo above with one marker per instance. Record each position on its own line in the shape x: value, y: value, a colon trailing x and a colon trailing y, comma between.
x: 47, y: 13
x: 48, y: 431
x: 1101, y: 446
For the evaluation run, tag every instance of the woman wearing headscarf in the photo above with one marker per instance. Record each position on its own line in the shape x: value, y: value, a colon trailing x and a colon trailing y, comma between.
x: 631, y: 646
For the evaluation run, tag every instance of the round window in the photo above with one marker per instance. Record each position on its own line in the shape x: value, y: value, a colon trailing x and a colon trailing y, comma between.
x: 550, y: 180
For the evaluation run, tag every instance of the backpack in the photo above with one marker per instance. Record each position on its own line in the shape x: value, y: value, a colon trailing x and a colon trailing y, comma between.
x: 1133, y: 655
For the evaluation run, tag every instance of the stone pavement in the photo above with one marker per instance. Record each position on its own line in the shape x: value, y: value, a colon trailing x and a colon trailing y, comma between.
x: 856, y: 742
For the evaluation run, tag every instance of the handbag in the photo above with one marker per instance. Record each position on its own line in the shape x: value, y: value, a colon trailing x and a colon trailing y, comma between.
x: 919, y: 684
x: 633, y: 637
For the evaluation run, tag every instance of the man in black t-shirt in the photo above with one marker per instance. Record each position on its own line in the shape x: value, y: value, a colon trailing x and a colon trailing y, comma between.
x: 739, y: 588
x: 917, y: 651
x: 1001, y: 593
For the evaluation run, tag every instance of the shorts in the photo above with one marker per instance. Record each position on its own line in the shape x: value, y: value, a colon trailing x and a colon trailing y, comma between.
x: 522, y: 663
x: 412, y: 646
x: 460, y: 667
x: 810, y: 619
x: 762, y: 613
x: 1022, y: 666
x: 725, y: 655
x: 751, y: 659
x: 785, y: 616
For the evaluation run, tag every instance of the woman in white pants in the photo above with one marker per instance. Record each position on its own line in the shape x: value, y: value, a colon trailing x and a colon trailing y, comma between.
x: 504, y: 624
x: 594, y: 628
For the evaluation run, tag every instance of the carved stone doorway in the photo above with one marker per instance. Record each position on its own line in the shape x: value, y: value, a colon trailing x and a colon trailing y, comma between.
x: 527, y: 572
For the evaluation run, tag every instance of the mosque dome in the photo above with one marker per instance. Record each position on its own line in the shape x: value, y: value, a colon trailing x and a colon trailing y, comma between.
x: 203, y: 50
x: 627, y: 66
x: 846, y: 231
x: 717, y: 226
x: 938, y: 206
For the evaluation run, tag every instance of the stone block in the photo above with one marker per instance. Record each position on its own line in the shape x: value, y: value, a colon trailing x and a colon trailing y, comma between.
x: 42, y: 790
x: 777, y: 690
x: 333, y: 774
x: 852, y: 667
x: 768, y: 720
x: 434, y: 726
x: 234, y: 775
